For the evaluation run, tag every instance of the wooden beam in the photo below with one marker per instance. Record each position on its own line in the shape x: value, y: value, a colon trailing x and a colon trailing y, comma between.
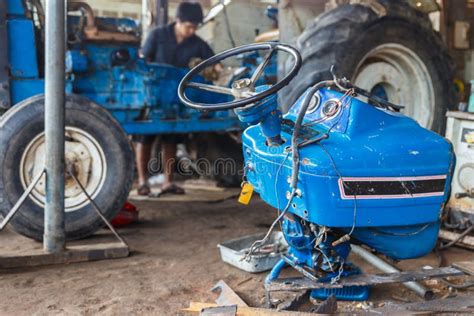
x: 76, y: 253
x: 466, y: 242
x: 195, y: 307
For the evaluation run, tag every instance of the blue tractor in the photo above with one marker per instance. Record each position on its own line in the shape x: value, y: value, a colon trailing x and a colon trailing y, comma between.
x: 338, y: 170
x: 111, y: 93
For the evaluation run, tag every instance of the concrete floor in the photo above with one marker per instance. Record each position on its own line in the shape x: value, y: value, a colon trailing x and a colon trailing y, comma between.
x: 174, y: 261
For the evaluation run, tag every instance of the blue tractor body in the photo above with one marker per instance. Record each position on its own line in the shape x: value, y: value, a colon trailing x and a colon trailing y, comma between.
x: 379, y: 171
x: 141, y: 96
x: 366, y: 174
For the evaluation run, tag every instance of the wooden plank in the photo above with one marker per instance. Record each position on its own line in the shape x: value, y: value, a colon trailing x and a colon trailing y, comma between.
x: 465, y: 266
x: 76, y: 253
x: 195, y: 307
x: 466, y: 242
x: 300, y: 284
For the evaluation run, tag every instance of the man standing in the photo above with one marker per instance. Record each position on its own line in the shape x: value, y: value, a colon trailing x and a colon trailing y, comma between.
x: 175, y: 44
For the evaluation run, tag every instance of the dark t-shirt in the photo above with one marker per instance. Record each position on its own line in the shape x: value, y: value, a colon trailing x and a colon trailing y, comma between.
x: 161, y: 47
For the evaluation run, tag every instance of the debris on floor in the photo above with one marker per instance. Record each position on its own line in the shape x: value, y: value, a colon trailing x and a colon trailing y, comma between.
x: 128, y: 215
x: 226, y: 295
x: 234, y: 251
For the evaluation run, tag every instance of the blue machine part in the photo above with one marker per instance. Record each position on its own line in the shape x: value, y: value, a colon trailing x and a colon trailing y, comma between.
x: 367, y: 176
x: 22, y: 53
x: 141, y: 96
x: 346, y: 293
x: 15, y: 7
x: 372, y: 167
x: 76, y: 62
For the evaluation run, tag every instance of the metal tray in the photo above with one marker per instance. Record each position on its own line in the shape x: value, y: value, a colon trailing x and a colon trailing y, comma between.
x: 234, y: 250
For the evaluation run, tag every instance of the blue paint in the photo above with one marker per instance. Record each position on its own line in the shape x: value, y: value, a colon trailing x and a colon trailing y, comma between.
x: 22, y: 52
x: 21, y: 89
x: 76, y: 61
x: 15, y: 7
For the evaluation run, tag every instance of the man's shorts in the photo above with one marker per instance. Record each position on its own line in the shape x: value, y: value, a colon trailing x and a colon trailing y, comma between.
x: 167, y: 138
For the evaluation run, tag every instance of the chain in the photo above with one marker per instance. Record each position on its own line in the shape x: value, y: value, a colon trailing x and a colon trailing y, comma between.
x: 338, y: 276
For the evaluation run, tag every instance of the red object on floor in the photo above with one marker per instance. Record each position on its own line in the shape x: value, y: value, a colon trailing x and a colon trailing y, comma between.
x: 127, y: 216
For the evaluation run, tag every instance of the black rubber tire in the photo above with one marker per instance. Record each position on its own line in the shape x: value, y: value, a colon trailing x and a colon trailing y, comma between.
x: 343, y: 36
x: 23, y: 122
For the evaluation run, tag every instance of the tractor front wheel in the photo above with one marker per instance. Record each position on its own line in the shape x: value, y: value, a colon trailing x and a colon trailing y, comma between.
x: 96, y: 150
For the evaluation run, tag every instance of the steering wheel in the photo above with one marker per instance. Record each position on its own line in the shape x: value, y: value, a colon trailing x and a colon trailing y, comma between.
x: 243, y: 90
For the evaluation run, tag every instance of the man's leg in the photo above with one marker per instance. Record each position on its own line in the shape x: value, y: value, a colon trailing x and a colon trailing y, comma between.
x: 142, y: 154
x: 169, y: 145
x: 169, y: 161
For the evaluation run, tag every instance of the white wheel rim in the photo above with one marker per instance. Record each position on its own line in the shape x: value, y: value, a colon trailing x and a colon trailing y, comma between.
x: 403, y: 76
x: 82, y: 152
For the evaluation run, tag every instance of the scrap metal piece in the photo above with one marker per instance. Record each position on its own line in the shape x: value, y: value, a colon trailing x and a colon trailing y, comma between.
x: 462, y: 304
x: 384, y: 266
x: 329, y: 306
x: 220, y: 311
x: 295, y: 302
x: 300, y: 284
x: 227, y: 296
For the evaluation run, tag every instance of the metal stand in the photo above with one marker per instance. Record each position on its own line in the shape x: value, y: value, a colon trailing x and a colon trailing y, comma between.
x: 54, y: 251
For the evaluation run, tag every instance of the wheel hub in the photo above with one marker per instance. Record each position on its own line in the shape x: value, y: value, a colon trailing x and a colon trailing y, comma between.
x: 404, y: 78
x: 83, y: 158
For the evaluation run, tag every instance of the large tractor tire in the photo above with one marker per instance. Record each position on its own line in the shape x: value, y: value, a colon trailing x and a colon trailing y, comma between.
x: 388, y: 48
x: 97, y: 149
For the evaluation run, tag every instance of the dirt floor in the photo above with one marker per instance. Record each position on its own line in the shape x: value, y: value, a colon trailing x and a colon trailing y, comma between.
x: 174, y: 261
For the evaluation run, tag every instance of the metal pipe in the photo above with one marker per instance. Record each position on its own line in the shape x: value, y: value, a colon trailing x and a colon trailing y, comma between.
x: 387, y: 268
x: 21, y: 200
x: 87, y: 9
x: 54, y: 235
